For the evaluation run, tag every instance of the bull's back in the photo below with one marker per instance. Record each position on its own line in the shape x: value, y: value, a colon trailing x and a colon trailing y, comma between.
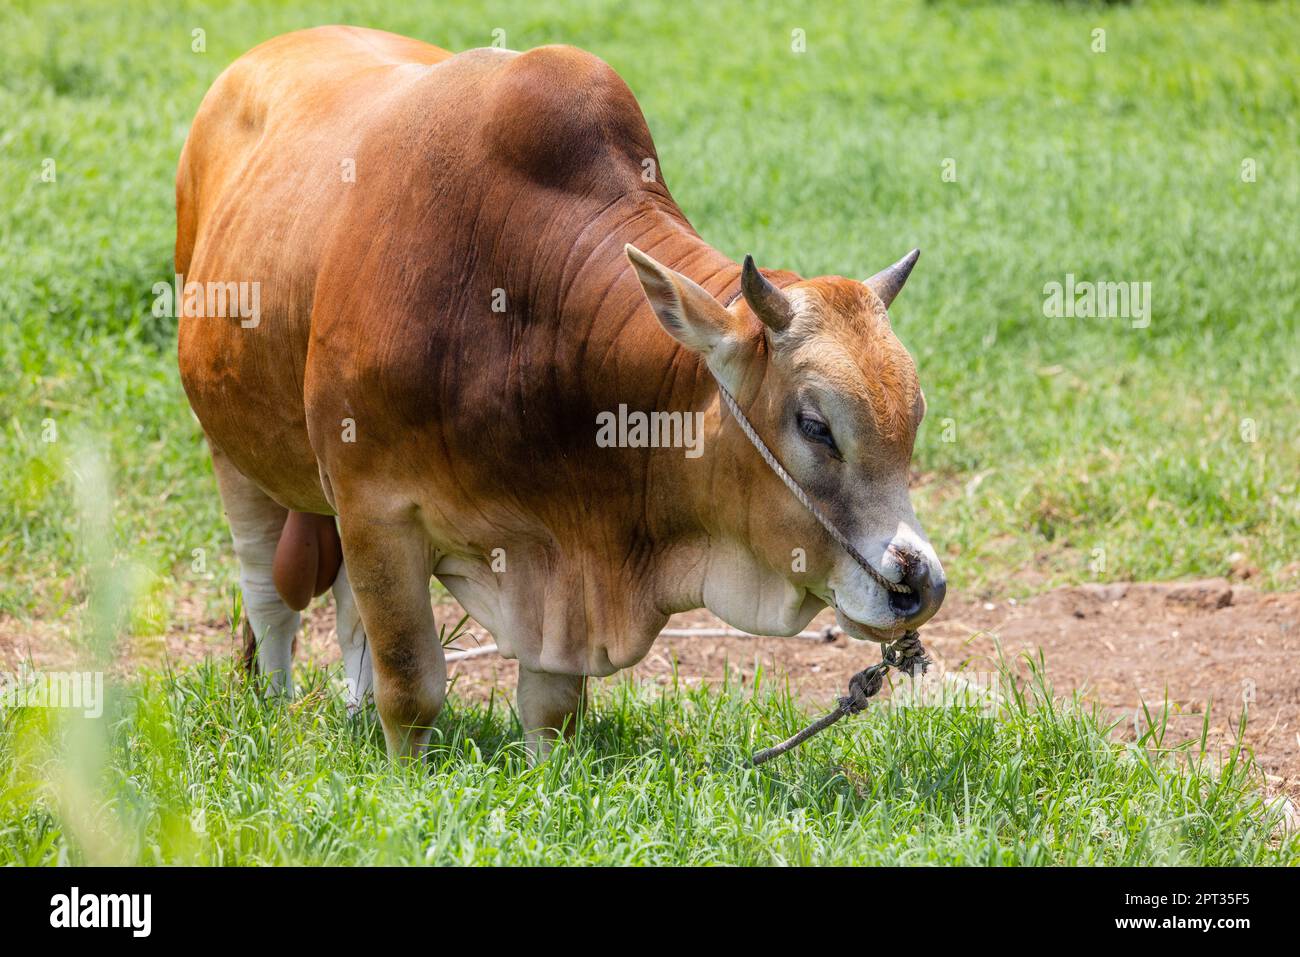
x: 262, y: 186
x: 388, y: 194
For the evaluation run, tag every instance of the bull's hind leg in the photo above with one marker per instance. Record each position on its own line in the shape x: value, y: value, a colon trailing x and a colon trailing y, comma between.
x: 255, y: 523
x: 357, y: 670
x: 389, y: 564
x: 548, y: 706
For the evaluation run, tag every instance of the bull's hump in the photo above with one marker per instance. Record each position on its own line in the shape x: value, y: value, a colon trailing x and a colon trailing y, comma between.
x: 561, y: 116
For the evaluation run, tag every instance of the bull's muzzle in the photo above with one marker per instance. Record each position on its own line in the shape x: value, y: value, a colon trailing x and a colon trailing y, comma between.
x: 926, y: 585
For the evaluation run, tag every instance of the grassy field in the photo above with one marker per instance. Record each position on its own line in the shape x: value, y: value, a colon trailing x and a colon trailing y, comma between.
x: 196, y: 769
x: 1056, y: 450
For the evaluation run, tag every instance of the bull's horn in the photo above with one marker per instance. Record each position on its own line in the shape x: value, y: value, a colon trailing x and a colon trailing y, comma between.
x: 889, y: 282
x: 768, y: 302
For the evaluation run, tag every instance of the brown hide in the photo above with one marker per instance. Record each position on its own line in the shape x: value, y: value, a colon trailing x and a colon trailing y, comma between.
x: 381, y: 381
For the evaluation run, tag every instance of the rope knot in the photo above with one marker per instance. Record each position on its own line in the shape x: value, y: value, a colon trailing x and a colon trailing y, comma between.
x: 906, y: 654
x: 862, y: 687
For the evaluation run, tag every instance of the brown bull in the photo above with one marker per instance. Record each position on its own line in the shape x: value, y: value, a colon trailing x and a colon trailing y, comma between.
x: 454, y: 357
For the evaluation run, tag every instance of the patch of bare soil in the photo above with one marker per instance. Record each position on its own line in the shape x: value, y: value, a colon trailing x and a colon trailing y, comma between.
x: 1200, y: 644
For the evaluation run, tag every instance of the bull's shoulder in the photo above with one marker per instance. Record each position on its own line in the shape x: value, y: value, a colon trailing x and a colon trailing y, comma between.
x: 558, y: 113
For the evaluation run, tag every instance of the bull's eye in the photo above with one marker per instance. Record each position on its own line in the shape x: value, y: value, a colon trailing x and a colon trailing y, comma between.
x: 815, y: 430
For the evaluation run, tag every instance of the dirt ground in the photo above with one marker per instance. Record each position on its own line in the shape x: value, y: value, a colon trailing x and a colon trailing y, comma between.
x: 1207, y: 643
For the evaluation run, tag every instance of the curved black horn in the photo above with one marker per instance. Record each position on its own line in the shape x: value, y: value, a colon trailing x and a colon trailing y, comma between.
x: 889, y: 282
x: 768, y: 302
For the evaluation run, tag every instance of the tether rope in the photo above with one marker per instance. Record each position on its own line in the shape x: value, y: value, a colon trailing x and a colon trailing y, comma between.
x: 906, y: 654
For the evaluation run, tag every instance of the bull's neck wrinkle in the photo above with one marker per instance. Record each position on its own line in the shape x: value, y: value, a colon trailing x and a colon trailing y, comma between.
x: 598, y: 280
x: 598, y: 299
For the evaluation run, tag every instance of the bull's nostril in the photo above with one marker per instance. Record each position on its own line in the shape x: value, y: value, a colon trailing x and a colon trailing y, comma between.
x: 906, y: 560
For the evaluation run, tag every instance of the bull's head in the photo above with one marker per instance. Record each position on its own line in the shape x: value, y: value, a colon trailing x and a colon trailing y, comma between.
x: 830, y: 389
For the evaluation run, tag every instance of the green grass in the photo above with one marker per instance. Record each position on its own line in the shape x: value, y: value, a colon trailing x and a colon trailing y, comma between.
x: 1071, y: 439
x: 194, y: 768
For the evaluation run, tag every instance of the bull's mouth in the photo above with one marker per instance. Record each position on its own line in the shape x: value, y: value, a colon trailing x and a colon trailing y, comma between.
x: 864, y: 632
x: 860, y: 630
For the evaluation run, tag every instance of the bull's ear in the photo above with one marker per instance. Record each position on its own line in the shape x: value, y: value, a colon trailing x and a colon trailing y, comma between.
x: 689, y: 314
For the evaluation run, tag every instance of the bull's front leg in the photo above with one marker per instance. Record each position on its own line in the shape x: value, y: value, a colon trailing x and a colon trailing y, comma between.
x: 389, y: 562
x: 549, y: 705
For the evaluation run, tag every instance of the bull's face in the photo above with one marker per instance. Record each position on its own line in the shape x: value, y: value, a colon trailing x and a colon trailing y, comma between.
x: 820, y: 374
